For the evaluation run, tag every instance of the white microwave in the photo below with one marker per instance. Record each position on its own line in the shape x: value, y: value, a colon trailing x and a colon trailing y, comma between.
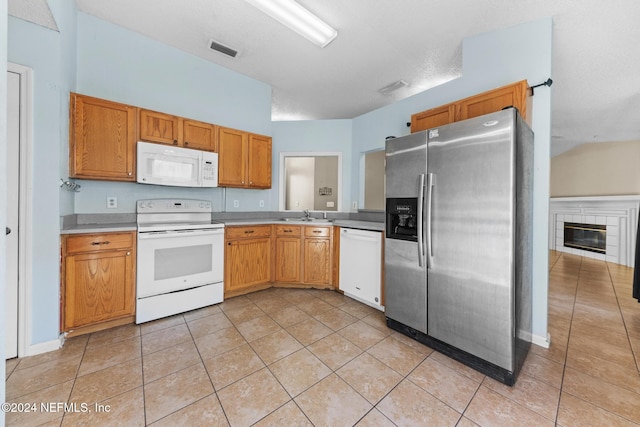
x: 183, y: 167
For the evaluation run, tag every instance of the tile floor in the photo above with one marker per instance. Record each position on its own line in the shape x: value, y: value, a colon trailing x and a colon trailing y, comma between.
x: 295, y: 357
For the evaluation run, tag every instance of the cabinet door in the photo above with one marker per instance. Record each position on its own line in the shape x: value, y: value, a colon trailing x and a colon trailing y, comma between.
x: 102, y: 139
x: 199, y: 135
x: 99, y: 286
x: 317, y: 261
x: 288, y: 259
x: 259, y: 161
x: 433, y: 118
x: 247, y: 263
x: 159, y: 127
x: 232, y: 156
x: 514, y: 95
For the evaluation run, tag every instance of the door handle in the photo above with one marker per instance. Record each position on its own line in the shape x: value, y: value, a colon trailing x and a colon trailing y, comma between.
x: 420, y: 218
x: 429, y: 215
x: 7, y: 231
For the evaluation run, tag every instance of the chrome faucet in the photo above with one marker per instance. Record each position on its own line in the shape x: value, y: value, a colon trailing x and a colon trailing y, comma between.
x: 306, y: 214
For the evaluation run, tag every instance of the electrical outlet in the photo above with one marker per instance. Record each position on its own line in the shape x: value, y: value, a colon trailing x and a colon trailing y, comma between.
x: 236, y: 203
x: 112, y: 202
x: 355, y: 205
x: 261, y: 203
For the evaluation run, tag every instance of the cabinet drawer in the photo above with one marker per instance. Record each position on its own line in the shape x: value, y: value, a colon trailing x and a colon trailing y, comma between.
x: 316, y: 231
x: 288, y: 230
x: 247, y: 232
x: 99, y: 242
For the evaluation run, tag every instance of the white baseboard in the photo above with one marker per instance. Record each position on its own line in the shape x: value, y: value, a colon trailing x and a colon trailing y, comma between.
x: 44, y: 347
x: 538, y: 340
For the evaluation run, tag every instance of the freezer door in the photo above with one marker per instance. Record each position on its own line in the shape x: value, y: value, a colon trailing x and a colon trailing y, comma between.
x: 405, y: 268
x: 471, y: 274
x: 405, y: 285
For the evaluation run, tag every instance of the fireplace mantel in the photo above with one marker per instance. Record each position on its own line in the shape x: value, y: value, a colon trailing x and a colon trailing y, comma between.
x: 618, y: 213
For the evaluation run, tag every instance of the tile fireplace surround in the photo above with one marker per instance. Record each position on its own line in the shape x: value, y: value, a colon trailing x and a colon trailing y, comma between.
x: 618, y: 213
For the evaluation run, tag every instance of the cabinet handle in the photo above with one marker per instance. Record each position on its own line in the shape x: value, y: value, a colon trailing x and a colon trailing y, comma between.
x: 248, y: 231
x: 186, y: 143
x: 175, y: 142
x: 243, y: 181
x: 106, y: 242
x: 228, y: 243
x: 288, y: 231
x: 317, y: 231
x: 128, y: 253
x: 129, y: 173
x: 250, y: 182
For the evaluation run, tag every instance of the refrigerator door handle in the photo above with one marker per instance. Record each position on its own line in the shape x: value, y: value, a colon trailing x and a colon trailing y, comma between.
x: 430, y: 182
x: 420, y: 219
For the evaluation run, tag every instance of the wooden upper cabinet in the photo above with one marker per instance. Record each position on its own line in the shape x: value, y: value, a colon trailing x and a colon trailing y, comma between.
x: 513, y: 95
x: 173, y: 130
x: 158, y: 127
x: 433, y: 118
x: 232, y: 155
x: 259, y: 162
x: 199, y: 135
x: 244, y: 159
x: 102, y: 139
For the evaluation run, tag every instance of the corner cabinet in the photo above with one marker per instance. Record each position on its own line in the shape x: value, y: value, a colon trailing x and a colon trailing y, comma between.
x: 98, y: 280
x: 244, y: 159
x: 513, y: 95
x: 247, y: 258
x: 102, y: 136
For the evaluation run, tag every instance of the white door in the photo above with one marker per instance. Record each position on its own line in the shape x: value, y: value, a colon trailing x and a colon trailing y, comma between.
x: 13, y: 181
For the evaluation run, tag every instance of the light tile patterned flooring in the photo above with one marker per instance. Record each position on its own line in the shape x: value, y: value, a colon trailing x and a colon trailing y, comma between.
x: 296, y: 357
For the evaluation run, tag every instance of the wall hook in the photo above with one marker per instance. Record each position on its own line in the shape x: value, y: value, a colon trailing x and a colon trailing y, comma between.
x: 549, y: 82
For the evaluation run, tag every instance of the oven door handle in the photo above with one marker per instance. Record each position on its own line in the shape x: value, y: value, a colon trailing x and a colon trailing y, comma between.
x: 145, y: 235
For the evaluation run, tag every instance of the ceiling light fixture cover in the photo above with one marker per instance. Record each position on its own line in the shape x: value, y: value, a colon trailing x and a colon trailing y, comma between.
x: 297, y: 18
x: 393, y: 87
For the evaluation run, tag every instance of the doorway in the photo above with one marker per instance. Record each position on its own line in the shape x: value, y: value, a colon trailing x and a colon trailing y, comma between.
x: 18, y: 90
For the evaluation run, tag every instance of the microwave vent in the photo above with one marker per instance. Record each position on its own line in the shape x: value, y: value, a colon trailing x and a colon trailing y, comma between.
x: 219, y: 47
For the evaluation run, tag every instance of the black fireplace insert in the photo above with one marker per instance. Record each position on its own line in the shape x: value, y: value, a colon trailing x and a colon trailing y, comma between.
x: 588, y: 237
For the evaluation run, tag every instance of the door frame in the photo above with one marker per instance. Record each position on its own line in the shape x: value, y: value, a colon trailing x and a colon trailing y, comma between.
x: 25, y: 207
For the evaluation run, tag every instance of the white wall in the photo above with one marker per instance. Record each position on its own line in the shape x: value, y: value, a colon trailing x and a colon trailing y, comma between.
x: 3, y: 191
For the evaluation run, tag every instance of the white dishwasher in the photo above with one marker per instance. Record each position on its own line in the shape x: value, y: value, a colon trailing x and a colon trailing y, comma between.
x: 361, y: 265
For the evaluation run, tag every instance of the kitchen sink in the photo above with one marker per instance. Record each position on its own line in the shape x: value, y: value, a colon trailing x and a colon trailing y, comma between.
x: 307, y: 219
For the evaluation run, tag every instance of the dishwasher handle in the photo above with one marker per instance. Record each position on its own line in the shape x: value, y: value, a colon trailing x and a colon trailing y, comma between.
x: 356, y: 234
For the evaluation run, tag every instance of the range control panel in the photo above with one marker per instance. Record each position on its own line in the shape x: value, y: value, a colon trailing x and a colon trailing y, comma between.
x: 173, y: 206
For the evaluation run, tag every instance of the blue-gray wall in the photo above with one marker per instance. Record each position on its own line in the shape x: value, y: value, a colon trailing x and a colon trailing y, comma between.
x: 99, y: 59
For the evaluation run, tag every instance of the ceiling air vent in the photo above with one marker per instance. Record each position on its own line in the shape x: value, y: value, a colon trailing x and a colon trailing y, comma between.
x: 219, y: 47
x: 393, y: 87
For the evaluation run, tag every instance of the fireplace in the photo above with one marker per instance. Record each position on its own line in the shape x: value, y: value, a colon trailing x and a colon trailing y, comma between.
x: 588, y: 237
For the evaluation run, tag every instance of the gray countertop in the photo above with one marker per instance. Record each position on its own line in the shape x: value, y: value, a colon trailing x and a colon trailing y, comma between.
x: 98, y: 228
x: 131, y: 226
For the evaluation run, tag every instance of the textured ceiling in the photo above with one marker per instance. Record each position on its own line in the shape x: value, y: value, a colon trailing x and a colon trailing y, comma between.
x: 596, y: 62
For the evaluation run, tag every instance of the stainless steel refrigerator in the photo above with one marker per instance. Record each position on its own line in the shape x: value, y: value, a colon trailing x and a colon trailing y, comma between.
x: 458, y: 240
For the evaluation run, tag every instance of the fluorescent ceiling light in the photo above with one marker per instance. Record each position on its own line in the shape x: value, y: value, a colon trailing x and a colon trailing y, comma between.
x: 297, y: 18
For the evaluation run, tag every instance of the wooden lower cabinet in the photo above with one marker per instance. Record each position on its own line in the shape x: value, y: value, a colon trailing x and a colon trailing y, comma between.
x: 258, y: 256
x: 288, y: 254
x: 247, y: 258
x: 317, y: 255
x: 98, y: 280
